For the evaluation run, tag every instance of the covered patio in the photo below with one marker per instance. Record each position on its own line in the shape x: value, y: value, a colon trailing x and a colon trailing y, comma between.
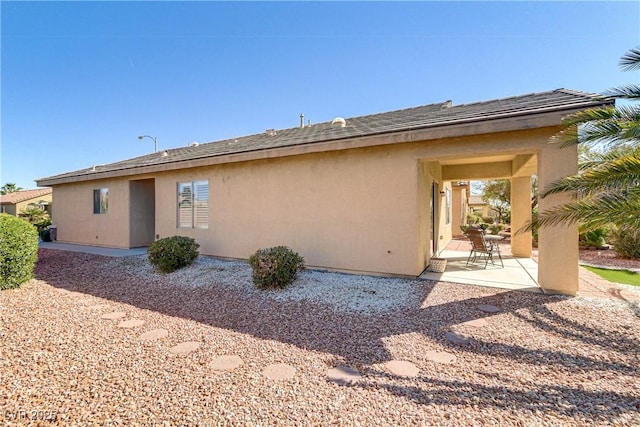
x: 519, y: 273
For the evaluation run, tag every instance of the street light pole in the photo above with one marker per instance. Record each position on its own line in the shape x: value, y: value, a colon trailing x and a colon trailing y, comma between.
x: 154, y: 139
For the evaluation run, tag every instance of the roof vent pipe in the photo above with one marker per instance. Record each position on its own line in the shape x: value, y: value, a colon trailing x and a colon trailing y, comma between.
x: 301, y: 120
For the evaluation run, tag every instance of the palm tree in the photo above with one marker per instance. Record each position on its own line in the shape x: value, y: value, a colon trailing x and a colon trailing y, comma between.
x: 9, y: 188
x: 607, y: 186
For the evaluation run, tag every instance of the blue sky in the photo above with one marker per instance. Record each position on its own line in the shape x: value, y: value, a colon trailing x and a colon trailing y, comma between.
x: 81, y: 80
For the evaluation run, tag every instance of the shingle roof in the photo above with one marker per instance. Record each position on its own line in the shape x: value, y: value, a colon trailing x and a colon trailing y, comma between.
x: 21, y: 196
x: 422, y: 117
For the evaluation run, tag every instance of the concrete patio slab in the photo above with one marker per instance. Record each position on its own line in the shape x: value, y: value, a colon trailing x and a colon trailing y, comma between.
x: 517, y: 274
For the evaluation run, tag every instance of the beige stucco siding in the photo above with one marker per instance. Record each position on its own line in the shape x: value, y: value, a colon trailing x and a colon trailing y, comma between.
x: 353, y: 210
x: 76, y: 222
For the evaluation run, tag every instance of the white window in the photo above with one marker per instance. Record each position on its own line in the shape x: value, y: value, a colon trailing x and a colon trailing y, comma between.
x: 193, y: 204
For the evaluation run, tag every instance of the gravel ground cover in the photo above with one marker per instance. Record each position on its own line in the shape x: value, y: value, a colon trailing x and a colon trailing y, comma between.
x: 539, y: 360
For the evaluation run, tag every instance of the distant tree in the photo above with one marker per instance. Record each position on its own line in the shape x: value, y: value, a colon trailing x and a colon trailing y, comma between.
x: 36, y: 216
x: 497, y: 194
x: 10, y: 187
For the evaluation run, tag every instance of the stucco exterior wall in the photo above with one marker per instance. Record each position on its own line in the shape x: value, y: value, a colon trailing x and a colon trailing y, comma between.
x: 353, y: 210
x: 74, y: 218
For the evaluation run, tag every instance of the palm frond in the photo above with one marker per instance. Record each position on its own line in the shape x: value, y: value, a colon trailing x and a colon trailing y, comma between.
x: 592, y: 213
x: 630, y: 60
x: 625, y: 92
x: 609, y: 126
x: 617, y: 172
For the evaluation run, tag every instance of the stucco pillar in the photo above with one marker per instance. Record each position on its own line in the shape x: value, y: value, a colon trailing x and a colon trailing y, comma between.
x: 557, y: 245
x: 520, y: 215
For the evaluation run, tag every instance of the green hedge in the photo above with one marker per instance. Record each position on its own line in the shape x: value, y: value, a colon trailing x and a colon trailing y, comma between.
x: 18, y: 251
x: 172, y: 253
x: 275, y: 267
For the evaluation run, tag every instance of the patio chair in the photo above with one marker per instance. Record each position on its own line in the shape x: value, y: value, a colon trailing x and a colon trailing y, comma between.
x: 482, y: 248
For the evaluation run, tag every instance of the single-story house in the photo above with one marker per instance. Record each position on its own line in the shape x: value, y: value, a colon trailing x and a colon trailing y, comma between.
x: 477, y: 205
x: 14, y: 203
x: 367, y: 194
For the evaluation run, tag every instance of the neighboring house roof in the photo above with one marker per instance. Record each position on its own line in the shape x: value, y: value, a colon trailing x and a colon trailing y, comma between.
x: 424, y: 117
x: 21, y: 196
x: 476, y: 200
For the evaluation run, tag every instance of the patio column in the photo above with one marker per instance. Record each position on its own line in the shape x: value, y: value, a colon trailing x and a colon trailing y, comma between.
x: 520, y: 215
x: 557, y: 245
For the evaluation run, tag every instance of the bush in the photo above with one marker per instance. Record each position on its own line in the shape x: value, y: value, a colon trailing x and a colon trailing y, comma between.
x: 595, y: 238
x: 18, y: 251
x: 496, y: 228
x: 172, y: 253
x: 626, y: 242
x: 473, y: 219
x: 488, y: 219
x: 275, y: 267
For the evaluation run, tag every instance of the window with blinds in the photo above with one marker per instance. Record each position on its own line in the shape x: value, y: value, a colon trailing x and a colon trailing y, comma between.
x: 193, y: 204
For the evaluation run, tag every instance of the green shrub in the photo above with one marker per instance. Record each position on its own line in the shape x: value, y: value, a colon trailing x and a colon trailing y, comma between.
x: 594, y: 238
x: 275, y: 267
x: 488, y: 219
x: 18, y: 251
x: 172, y: 253
x: 626, y: 242
x: 496, y: 228
x: 473, y: 218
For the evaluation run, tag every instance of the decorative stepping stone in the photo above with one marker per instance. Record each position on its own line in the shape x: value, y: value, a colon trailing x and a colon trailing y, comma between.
x: 114, y: 316
x: 225, y: 363
x: 132, y: 323
x: 488, y: 308
x: 457, y: 338
x: 185, y: 347
x: 98, y: 306
x: 155, y: 334
x: 279, y: 371
x: 402, y: 368
x: 343, y: 375
x: 440, y: 356
x: 476, y: 323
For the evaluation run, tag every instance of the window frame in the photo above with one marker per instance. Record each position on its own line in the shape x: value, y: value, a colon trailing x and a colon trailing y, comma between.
x: 192, y: 204
x: 100, y: 201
